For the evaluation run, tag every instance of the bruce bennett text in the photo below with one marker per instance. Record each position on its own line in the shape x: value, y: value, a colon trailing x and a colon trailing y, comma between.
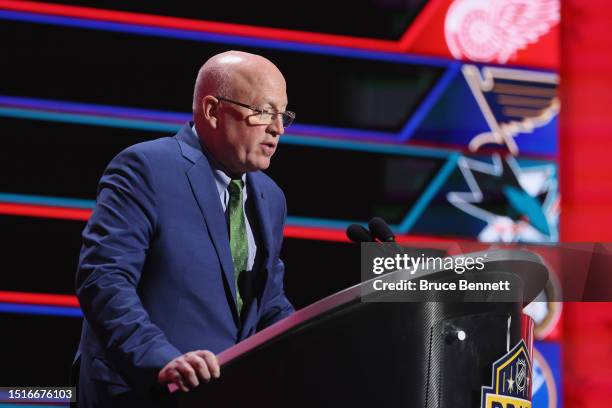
x: 425, y: 285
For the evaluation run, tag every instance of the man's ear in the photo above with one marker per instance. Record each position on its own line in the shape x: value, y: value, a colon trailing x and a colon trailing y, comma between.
x: 210, y: 111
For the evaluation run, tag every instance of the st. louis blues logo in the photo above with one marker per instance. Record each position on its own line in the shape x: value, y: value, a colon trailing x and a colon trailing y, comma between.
x: 511, y: 381
x: 512, y: 102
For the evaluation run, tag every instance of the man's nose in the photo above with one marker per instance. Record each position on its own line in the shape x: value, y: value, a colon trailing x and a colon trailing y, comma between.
x: 276, y: 125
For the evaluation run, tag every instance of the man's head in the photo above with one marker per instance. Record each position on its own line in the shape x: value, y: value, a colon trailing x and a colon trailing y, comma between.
x: 235, y: 135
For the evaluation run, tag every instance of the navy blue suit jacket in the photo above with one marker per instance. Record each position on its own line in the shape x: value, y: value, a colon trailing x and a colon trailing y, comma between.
x: 155, y: 276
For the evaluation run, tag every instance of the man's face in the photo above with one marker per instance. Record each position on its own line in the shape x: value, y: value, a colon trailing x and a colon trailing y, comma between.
x: 243, y: 145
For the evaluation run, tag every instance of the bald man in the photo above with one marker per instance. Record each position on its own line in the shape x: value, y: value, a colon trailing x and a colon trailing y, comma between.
x: 180, y: 258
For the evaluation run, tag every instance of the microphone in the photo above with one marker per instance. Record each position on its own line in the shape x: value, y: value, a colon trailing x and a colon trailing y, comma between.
x: 381, y: 230
x: 358, y: 234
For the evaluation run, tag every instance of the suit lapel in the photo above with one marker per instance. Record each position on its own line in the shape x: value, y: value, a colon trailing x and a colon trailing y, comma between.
x: 204, y: 189
x: 203, y: 185
x: 262, y: 211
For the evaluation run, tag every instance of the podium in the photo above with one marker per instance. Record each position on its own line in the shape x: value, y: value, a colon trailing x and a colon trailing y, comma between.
x: 351, y: 350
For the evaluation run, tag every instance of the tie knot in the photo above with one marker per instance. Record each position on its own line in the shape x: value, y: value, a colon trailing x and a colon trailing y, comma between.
x: 235, y: 187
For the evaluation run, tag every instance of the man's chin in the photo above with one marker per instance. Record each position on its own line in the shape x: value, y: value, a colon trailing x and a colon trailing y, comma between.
x: 260, y: 165
x: 251, y: 169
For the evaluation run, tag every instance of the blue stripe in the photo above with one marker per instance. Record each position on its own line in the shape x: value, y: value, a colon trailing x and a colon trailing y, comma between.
x: 168, y: 127
x: 366, y: 147
x: 399, y: 57
x: 344, y: 132
x: 319, y: 222
x: 428, y: 194
x: 159, y: 126
x: 40, y: 310
x: 44, y: 200
x: 434, y: 95
x: 89, y: 120
x: 2, y: 405
x: 94, y: 109
x: 111, y: 116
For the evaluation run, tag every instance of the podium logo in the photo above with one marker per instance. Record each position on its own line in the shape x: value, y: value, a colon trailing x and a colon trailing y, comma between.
x: 521, y: 375
x: 511, y: 381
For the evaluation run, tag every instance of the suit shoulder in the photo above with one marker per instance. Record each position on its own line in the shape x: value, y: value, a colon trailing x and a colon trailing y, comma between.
x: 154, y: 147
x: 153, y: 150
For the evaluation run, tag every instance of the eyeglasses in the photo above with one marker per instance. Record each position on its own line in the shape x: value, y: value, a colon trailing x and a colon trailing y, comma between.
x: 263, y: 116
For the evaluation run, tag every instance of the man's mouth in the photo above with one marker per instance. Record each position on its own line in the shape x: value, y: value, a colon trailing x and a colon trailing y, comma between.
x: 268, y: 148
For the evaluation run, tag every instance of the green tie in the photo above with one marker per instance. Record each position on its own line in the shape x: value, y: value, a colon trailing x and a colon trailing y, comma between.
x: 238, y: 234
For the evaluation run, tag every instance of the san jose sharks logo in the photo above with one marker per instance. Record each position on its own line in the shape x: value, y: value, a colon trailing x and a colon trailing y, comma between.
x: 517, y: 204
x: 511, y: 381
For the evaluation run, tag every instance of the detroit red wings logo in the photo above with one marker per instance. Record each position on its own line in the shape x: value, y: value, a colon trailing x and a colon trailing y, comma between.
x: 494, y: 30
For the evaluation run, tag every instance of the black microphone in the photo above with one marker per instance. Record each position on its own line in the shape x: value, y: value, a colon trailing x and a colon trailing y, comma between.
x: 358, y: 234
x: 381, y: 230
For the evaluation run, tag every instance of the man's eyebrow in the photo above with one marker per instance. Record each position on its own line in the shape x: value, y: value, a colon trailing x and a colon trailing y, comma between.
x: 273, y: 105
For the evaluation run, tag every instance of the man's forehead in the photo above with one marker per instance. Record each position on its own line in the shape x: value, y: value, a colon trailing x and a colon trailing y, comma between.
x: 261, y: 87
x: 258, y: 75
x: 263, y: 100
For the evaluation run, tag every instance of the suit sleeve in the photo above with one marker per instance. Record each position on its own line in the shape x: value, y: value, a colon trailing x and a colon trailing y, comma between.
x: 115, y: 244
x: 276, y: 305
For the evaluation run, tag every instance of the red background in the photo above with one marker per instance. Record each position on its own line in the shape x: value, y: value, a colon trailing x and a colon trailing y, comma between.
x: 586, y: 183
